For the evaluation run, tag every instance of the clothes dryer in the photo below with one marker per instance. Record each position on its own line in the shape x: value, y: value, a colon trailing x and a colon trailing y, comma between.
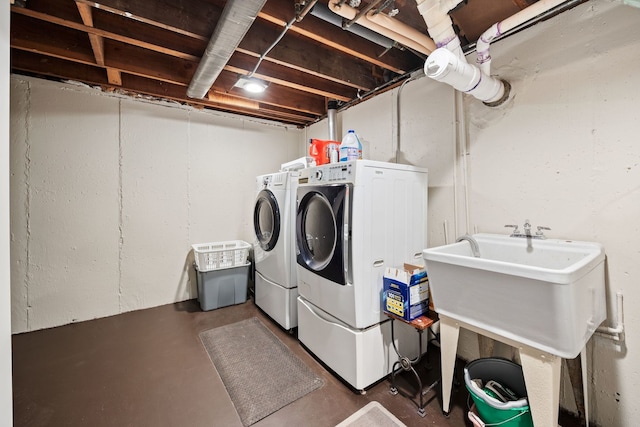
x: 274, y: 251
x: 353, y: 220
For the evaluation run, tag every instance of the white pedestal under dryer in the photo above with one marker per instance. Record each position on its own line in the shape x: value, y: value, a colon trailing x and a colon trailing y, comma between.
x: 354, y: 219
x: 276, y: 286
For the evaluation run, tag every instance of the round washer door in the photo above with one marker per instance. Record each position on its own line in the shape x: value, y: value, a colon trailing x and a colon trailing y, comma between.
x: 322, y: 231
x: 266, y: 220
x: 318, y: 226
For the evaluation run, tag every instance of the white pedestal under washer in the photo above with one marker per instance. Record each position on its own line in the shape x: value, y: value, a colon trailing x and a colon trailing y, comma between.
x: 354, y: 219
x: 274, y: 250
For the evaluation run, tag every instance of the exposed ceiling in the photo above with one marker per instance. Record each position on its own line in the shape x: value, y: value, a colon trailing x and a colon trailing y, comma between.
x: 153, y: 48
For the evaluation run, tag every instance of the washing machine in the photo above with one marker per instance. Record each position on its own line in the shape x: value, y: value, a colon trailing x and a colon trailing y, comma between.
x: 353, y: 220
x: 274, y: 211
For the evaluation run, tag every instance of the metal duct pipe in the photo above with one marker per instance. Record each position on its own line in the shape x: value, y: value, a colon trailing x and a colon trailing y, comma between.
x: 322, y: 11
x: 332, y: 108
x: 236, y: 19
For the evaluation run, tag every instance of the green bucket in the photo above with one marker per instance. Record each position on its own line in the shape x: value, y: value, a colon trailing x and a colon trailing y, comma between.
x: 509, y: 374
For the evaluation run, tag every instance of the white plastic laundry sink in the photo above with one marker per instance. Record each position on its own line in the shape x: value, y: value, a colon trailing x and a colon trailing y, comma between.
x: 548, y: 294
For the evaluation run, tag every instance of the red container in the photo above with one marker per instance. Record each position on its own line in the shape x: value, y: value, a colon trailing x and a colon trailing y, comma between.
x: 321, y: 149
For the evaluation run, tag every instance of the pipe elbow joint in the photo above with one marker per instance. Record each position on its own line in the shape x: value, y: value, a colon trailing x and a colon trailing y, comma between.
x: 445, y: 66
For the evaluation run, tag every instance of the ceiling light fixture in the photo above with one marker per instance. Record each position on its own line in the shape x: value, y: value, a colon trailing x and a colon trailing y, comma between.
x: 251, y: 84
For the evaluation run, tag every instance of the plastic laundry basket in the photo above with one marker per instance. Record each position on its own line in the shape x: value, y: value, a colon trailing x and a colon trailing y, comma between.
x: 509, y: 374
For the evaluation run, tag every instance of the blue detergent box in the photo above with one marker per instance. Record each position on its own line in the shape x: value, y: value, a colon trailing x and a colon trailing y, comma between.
x: 406, y: 291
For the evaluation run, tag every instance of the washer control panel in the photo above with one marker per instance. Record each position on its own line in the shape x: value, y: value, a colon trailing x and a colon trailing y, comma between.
x: 334, y: 172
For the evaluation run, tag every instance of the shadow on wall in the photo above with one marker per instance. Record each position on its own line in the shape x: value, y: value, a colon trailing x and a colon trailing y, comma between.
x: 187, y: 283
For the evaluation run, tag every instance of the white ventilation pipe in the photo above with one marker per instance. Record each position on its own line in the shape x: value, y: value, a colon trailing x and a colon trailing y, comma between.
x: 236, y: 19
x: 448, y: 64
x: 447, y: 67
x: 499, y: 28
x: 436, y: 15
x: 389, y: 27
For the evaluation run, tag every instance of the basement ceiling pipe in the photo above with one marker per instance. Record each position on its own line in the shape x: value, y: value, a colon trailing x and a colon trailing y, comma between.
x: 439, y: 24
x: 447, y: 67
x: 236, y: 19
x: 448, y: 64
x: 332, y: 108
x: 323, y: 12
x: 394, y: 29
x: 499, y: 28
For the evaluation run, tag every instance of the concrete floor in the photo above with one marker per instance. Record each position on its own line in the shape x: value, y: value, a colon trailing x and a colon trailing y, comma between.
x: 149, y: 368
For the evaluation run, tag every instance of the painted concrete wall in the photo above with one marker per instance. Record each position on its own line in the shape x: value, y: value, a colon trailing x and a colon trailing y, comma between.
x: 426, y: 140
x: 563, y: 153
x: 6, y: 403
x: 108, y: 195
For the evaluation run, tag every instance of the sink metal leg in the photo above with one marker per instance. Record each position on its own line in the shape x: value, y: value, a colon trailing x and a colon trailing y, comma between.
x: 542, y: 376
x: 449, y: 332
x: 585, y: 383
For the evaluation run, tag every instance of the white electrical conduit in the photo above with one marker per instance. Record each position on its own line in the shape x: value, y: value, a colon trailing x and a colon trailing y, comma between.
x: 499, y: 28
x: 266, y: 52
x: 388, y: 27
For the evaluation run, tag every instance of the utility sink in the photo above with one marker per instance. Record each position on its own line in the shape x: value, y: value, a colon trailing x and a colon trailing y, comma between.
x: 548, y: 294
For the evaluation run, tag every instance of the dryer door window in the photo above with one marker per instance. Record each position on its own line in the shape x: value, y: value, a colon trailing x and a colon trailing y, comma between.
x: 322, y: 230
x: 266, y: 220
x: 319, y: 230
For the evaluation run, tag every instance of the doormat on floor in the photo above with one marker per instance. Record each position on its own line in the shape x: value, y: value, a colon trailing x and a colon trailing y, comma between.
x: 259, y: 371
x: 372, y: 415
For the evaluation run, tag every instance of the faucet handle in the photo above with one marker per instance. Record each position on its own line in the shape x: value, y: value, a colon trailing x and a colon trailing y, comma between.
x: 540, y: 231
x: 515, y: 228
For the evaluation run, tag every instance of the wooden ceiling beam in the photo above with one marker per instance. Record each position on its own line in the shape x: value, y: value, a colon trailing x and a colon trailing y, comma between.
x: 97, y: 44
x: 275, y: 95
x: 137, y: 61
x: 280, y: 12
x: 91, y: 74
x: 192, y: 19
x: 169, y: 91
x: 73, y: 45
x: 197, y: 19
x: 151, y: 65
x: 106, y: 34
x: 286, y: 76
x: 129, y: 27
x: 35, y: 36
x: 312, y: 58
x: 291, y: 54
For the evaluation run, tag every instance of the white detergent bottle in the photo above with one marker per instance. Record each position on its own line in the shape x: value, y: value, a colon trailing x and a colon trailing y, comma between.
x: 350, y: 148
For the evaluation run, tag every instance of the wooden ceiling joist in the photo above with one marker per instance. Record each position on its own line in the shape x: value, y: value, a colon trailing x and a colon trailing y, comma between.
x: 97, y: 44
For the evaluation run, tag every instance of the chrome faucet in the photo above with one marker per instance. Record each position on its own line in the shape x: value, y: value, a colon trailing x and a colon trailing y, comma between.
x: 527, y: 231
x: 475, y: 249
